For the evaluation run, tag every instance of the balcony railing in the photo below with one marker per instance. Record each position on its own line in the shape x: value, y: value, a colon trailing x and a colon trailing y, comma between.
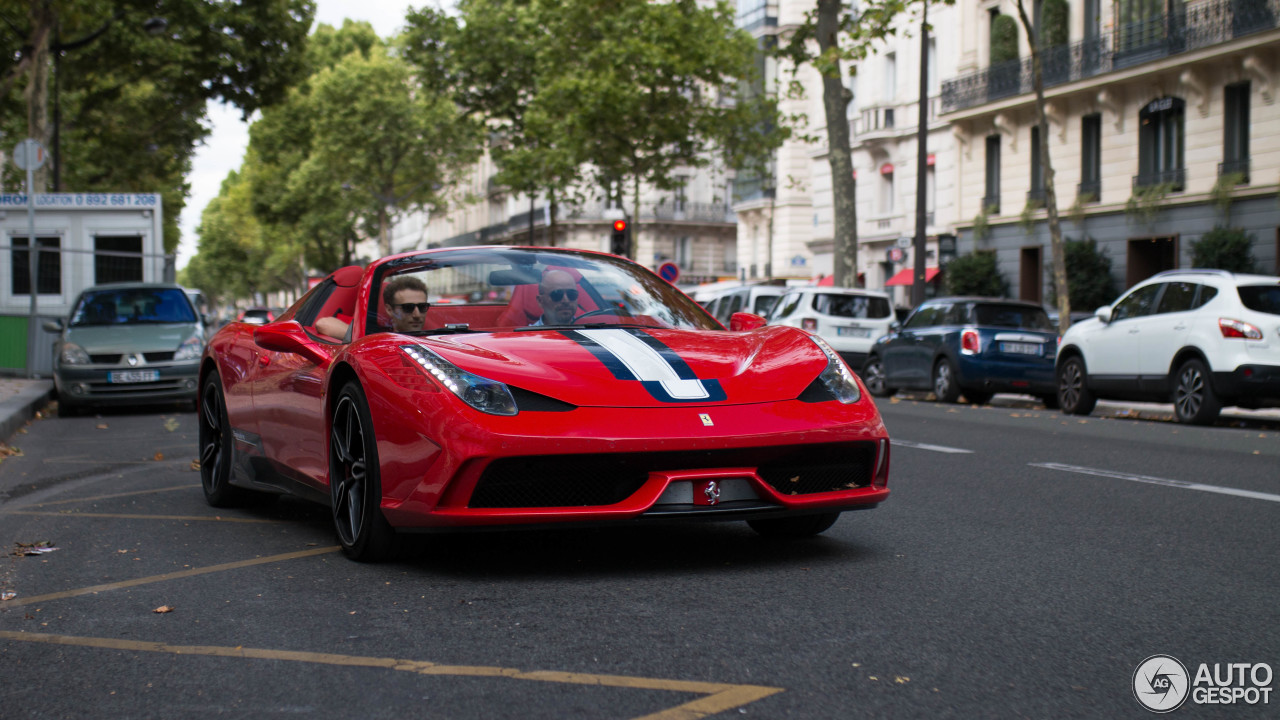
x: 1235, y: 166
x: 1089, y: 191
x: 1174, y: 177
x: 688, y: 212
x: 1194, y: 26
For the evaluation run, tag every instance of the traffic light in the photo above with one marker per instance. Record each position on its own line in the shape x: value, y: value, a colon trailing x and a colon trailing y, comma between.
x: 620, y: 239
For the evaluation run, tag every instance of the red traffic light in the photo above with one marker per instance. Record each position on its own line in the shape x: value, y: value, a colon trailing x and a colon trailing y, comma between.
x: 619, y: 225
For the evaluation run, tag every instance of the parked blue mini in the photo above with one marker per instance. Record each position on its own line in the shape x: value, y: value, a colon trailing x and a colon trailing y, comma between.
x: 967, y: 345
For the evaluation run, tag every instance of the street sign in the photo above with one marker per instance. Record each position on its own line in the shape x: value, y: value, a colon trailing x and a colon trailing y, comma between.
x: 905, y: 241
x: 669, y: 271
x: 28, y: 152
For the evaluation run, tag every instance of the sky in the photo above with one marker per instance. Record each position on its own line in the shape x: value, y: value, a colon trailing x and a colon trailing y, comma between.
x: 224, y: 148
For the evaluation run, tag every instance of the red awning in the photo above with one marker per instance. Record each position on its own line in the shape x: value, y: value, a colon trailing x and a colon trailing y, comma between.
x: 905, y: 277
x: 827, y: 281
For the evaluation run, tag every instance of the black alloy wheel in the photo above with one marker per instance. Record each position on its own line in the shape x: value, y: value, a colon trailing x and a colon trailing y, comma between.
x: 874, y: 378
x: 354, y: 481
x: 1074, y: 395
x: 1194, y: 400
x: 216, y: 447
x: 944, y: 382
x: 794, y: 527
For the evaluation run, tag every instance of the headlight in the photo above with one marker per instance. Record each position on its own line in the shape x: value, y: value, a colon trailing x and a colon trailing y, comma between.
x: 73, y: 354
x: 483, y: 394
x: 190, y: 349
x: 837, y: 378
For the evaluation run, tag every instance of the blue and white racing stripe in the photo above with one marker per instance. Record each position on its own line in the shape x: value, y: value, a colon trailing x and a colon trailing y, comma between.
x: 632, y: 354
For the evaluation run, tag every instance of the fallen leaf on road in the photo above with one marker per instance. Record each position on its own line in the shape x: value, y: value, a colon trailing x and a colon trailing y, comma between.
x: 195, y: 464
x: 36, y: 548
x: 171, y: 424
x: 9, y: 451
x: 8, y: 595
x: 102, y: 426
x: 163, y: 609
x: 159, y: 456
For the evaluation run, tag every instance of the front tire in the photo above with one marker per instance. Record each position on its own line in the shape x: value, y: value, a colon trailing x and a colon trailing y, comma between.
x: 944, y: 381
x: 1074, y: 395
x: 1194, y: 400
x: 794, y: 527
x: 874, y: 378
x: 216, y: 447
x: 355, y: 487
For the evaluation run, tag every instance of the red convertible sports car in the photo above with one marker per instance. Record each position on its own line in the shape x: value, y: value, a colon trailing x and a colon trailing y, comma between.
x: 504, y: 386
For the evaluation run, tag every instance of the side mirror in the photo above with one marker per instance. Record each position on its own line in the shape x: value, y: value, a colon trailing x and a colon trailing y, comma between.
x: 1104, y: 313
x: 288, y: 337
x: 895, y: 326
x: 53, y: 326
x: 742, y: 321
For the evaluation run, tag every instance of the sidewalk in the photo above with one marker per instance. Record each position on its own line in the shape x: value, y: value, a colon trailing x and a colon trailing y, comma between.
x: 20, y: 400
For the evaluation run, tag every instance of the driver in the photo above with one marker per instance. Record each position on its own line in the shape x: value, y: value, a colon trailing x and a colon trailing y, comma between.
x: 558, y: 297
x: 406, y: 299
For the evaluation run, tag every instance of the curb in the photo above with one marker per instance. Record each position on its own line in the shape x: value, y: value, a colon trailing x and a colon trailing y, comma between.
x: 22, y: 406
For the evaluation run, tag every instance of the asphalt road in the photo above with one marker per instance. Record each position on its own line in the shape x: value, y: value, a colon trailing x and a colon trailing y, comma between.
x: 1024, y: 566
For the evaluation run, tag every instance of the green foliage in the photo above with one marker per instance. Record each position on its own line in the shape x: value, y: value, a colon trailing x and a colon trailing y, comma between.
x: 1223, y: 192
x: 1224, y: 248
x: 975, y: 274
x: 1055, y: 16
x: 1004, y: 39
x: 982, y: 224
x: 1076, y: 213
x: 1145, y: 203
x: 1027, y: 220
x: 1088, y: 275
x: 132, y: 100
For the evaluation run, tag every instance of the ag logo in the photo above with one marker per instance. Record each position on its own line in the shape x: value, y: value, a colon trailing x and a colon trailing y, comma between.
x: 1160, y: 683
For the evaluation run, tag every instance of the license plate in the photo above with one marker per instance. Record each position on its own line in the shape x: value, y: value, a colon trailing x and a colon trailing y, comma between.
x: 134, y: 376
x: 853, y: 332
x: 1020, y: 348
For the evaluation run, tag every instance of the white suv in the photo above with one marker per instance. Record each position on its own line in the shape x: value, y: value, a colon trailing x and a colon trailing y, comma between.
x: 849, y: 320
x: 1201, y: 339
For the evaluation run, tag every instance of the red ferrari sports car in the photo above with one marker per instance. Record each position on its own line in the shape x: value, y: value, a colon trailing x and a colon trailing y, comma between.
x: 505, y: 386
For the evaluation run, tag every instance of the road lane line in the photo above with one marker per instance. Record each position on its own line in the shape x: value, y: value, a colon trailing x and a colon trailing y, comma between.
x: 118, y: 495
x: 932, y: 448
x: 126, y: 516
x: 1252, y: 495
x: 718, y: 697
x: 167, y: 576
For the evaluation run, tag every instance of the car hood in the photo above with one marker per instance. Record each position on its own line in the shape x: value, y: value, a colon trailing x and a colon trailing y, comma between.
x: 142, y: 337
x: 642, y: 367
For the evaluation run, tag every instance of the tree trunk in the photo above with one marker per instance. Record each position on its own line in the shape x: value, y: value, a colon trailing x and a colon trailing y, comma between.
x: 835, y: 103
x: 1056, y: 249
x: 384, y: 238
x: 41, y: 16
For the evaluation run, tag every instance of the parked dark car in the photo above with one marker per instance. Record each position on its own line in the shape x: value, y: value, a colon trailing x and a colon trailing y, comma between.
x: 967, y: 345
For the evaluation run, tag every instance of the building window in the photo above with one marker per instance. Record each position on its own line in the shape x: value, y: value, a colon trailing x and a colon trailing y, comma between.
x: 890, y: 76
x: 930, y: 194
x: 48, y: 272
x: 1160, y: 144
x: 684, y: 252
x: 886, y: 189
x: 117, y: 259
x: 679, y: 197
x: 1235, y: 131
x: 1090, y: 189
x: 934, y: 84
x: 1150, y: 29
x: 991, y: 200
x: 1036, y: 193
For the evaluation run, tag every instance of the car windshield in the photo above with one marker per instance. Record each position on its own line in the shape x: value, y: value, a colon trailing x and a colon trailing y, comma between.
x: 505, y: 288
x: 1011, y: 316
x: 1261, y: 298
x: 126, y: 306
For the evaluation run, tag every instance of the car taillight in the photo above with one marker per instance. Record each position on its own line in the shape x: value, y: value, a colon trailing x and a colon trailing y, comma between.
x: 969, y: 343
x: 810, y: 324
x: 1236, y: 329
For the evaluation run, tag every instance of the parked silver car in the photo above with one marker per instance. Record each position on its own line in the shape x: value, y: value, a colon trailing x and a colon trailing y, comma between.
x: 127, y: 344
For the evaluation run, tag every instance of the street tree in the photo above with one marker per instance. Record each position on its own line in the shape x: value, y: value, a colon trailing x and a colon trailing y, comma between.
x: 833, y: 35
x: 129, y: 80
x: 1056, y: 250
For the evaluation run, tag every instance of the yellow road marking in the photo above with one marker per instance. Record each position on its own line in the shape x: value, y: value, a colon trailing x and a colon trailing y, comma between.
x: 719, y: 697
x: 118, y: 495
x: 124, y: 516
x: 167, y: 576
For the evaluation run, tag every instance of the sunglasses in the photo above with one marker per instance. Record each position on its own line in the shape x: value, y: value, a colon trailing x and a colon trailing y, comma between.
x: 407, y: 308
x: 558, y: 295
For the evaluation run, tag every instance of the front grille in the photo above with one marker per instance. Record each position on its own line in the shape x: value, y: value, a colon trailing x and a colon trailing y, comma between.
x: 106, y: 359
x: 114, y: 359
x: 593, y: 480
x: 158, y: 356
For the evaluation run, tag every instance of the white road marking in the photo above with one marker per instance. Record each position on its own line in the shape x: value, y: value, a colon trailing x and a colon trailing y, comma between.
x: 1160, y: 481
x: 926, y: 446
